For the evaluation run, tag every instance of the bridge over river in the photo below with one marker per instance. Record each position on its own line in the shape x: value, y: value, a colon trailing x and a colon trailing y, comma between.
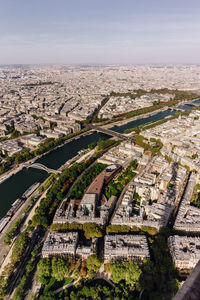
x: 41, y: 167
x: 111, y: 132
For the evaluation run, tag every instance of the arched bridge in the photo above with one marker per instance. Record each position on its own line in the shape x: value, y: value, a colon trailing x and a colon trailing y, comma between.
x: 41, y: 167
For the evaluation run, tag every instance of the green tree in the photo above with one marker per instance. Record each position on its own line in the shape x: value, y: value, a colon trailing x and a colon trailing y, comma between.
x: 12, y: 232
x: 92, y: 230
x: 126, y: 270
x: 59, y: 268
x: 44, y: 269
x: 93, y: 264
x: 19, y: 247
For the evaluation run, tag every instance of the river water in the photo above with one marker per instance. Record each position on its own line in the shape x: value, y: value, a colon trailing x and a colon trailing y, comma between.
x: 153, y: 118
x: 16, y: 185
x: 58, y: 157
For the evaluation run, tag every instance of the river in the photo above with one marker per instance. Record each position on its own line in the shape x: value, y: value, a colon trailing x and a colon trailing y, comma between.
x: 16, y: 185
x: 55, y: 159
x: 156, y: 116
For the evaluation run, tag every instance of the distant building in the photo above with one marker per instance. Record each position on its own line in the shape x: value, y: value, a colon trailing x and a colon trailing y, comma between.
x: 32, y: 140
x: 51, y: 133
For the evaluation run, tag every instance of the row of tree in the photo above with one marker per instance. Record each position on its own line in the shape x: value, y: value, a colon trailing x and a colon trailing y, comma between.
x: 91, y: 230
x: 176, y: 97
x: 81, y: 184
x: 20, y: 291
x: 18, y: 252
x: 12, y: 232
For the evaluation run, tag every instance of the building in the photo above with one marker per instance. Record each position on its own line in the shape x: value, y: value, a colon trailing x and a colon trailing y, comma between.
x: 188, y: 217
x: 124, y: 247
x: 87, y: 248
x: 93, y: 207
x: 146, y: 202
x: 32, y: 140
x: 62, y: 244
x: 185, y: 251
x: 51, y: 133
x: 122, y: 155
x: 10, y: 147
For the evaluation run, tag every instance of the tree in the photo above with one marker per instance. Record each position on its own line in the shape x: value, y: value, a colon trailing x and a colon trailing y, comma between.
x: 12, y: 232
x: 83, y: 270
x: 93, y: 264
x: 48, y: 296
x: 44, y: 269
x: 92, y: 230
x: 59, y: 268
x: 3, y: 287
x: 19, y: 247
x: 126, y: 270
x: 59, y: 196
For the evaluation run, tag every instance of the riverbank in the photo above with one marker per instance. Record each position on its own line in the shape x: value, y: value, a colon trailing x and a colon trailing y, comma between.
x: 19, y: 179
x: 16, y: 168
x: 146, y: 115
x: 126, y: 121
x: 4, y: 250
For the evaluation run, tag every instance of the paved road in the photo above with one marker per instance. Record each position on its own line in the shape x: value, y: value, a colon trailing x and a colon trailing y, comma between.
x: 19, y: 214
x: 32, y: 212
x: 37, y: 237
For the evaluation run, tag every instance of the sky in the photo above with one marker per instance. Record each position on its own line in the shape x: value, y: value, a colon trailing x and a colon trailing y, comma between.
x: 99, y: 31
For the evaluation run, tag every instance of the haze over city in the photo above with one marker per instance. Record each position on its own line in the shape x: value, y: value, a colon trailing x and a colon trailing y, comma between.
x: 90, y: 31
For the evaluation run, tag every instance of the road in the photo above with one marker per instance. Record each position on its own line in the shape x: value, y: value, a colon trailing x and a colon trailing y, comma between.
x: 36, y: 238
x: 19, y: 214
x: 32, y: 212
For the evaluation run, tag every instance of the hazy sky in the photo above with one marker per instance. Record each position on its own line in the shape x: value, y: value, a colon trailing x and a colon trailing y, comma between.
x: 99, y: 31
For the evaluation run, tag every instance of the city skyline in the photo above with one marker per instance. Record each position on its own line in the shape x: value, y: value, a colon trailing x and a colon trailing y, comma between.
x: 99, y: 32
